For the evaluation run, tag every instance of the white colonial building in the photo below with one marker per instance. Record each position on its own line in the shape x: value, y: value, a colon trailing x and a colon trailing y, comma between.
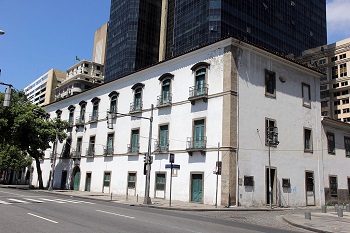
x: 214, y: 102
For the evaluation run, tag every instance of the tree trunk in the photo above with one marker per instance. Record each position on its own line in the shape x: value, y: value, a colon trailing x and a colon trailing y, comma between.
x: 38, y: 169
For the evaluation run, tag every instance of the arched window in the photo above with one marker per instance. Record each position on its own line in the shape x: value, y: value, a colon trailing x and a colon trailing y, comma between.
x: 200, y: 88
x: 95, y: 102
x: 81, y: 119
x: 113, y: 102
x: 136, y: 105
x: 166, y: 96
x: 71, y: 109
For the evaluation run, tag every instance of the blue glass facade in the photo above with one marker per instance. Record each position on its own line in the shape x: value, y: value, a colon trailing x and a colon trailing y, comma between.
x: 133, y: 36
x: 287, y: 27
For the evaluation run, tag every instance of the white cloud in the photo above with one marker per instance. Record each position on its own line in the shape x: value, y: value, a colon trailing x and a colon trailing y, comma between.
x: 338, y: 19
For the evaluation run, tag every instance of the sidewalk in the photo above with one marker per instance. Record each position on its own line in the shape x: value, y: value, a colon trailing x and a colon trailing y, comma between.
x: 320, y: 222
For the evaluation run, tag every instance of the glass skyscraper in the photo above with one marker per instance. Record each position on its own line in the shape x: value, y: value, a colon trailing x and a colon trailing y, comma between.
x: 284, y: 26
x: 133, y: 36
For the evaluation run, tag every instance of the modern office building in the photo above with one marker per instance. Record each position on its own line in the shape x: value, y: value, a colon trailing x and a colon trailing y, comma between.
x: 286, y: 27
x: 41, y: 91
x: 133, y: 36
x: 333, y: 60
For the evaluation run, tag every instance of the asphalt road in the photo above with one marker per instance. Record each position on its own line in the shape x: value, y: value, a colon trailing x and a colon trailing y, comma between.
x: 26, y: 211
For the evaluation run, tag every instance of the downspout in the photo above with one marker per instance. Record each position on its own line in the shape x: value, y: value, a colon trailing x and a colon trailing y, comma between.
x: 237, y: 150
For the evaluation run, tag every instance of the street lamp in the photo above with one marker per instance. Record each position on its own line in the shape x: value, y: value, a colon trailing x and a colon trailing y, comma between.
x: 148, y: 158
x: 272, y: 140
x: 2, y: 32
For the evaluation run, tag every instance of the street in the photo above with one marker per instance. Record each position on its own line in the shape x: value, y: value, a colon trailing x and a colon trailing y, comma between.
x: 27, y: 211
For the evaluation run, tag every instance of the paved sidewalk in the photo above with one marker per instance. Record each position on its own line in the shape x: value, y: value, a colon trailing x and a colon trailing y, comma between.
x: 320, y: 222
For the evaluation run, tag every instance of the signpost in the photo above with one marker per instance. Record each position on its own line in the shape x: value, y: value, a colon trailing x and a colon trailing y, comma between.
x: 171, y: 160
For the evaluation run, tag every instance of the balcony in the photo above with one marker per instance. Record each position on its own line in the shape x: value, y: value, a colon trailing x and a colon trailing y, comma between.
x: 197, y: 144
x: 79, y: 121
x: 93, y: 118
x: 108, y: 151
x: 75, y: 154
x: 135, y: 107
x: 197, y: 93
x: 161, y: 147
x: 90, y: 152
x: 164, y: 100
x: 133, y: 149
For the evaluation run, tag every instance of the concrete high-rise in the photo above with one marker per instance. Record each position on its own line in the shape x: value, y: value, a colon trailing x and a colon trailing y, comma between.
x: 142, y: 32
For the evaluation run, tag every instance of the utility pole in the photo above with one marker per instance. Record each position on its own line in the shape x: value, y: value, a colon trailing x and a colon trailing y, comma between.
x: 147, y: 199
x: 272, y: 140
x: 54, y: 162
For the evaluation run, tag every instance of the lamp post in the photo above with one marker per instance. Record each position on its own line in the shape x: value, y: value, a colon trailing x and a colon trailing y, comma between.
x: 148, y: 158
x: 272, y: 140
x: 2, y: 32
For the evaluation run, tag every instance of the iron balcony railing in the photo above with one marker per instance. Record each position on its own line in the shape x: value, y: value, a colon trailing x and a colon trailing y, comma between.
x: 90, y: 152
x: 108, y: 151
x: 133, y: 149
x: 75, y: 154
x: 135, y: 107
x: 161, y: 146
x: 198, y: 91
x: 93, y: 117
x: 79, y: 121
x: 71, y: 122
x: 163, y: 100
x: 196, y: 143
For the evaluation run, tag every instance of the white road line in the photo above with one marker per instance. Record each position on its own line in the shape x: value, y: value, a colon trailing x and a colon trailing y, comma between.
x: 16, y: 200
x: 75, y: 202
x: 33, y: 200
x: 120, y: 215
x: 44, y: 199
x: 4, y: 202
x: 15, y: 194
x: 42, y: 218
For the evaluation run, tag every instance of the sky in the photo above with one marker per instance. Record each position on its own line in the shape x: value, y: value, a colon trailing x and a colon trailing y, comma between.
x: 44, y: 34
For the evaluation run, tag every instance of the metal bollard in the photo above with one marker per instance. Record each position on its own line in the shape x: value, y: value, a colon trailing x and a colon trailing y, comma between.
x: 324, y: 209
x: 308, y: 215
x: 336, y: 207
x: 347, y: 208
x: 111, y: 196
x: 340, y: 212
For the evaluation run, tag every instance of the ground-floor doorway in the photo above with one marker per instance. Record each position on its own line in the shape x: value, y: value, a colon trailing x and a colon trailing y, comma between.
x: 273, y: 179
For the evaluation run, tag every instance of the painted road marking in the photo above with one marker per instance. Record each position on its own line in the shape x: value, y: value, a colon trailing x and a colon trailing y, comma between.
x: 42, y: 218
x: 120, y: 215
x: 4, y: 202
x: 16, y: 200
x: 44, y: 199
x: 33, y: 200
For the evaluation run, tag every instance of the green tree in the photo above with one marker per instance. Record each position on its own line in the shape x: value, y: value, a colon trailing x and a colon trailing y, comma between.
x: 27, y: 127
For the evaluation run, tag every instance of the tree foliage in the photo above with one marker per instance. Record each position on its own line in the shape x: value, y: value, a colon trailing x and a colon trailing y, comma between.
x: 26, y: 128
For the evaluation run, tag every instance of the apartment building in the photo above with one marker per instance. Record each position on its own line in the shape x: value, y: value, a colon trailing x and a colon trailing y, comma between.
x: 82, y: 76
x: 255, y: 111
x: 333, y: 60
x: 41, y: 91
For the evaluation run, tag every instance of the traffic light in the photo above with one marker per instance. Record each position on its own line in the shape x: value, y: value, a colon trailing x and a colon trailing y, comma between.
x: 218, y: 167
x: 8, y: 97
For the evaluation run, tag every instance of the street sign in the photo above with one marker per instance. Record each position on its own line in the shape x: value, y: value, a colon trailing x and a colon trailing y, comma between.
x: 175, y: 166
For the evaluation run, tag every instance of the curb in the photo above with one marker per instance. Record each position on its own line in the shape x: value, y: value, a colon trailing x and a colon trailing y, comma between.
x: 304, y: 227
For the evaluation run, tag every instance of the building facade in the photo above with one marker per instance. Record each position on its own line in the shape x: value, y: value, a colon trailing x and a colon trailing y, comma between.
x: 82, y: 76
x: 178, y: 26
x: 228, y: 101
x: 133, y: 36
x: 333, y: 60
x: 41, y: 91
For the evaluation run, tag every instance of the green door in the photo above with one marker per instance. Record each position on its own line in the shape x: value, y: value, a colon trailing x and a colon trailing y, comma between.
x: 198, y: 134
x: 197, y: 185
x: 88, y: 182
x: 77, y: 181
